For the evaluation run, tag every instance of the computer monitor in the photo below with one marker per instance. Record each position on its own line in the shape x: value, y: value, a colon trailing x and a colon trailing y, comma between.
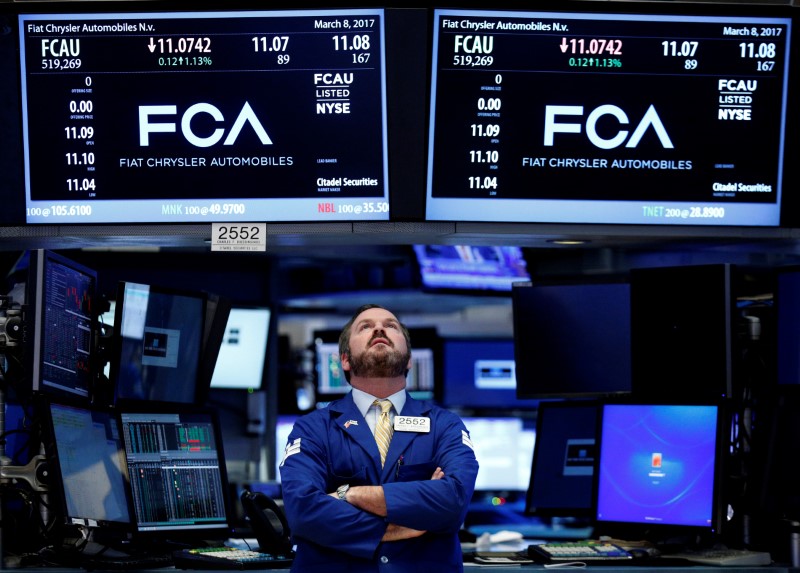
x: 474, y: 269
x: 87, y: 468
x: 480, y: 373
x: 60, y: 313
x: 243, y: 353
x: 564, y: 458
x: 659, y: 469
x: 688, y: 312
x: 256, y: 116
x: 503, y: 447
x: 158, y: 344
x: 330, y: 378
x: 627, y: 113
x: 177, y: 474
x: 572, y: 339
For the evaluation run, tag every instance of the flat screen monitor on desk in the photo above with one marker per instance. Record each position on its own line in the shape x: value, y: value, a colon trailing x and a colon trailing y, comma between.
x: 659, y: 468
x: 481, y: 374
x: 503, y: 447
x: 564, y: 460
x: 177, y: 470
x: 60, y: 300
x: 158, y: 344
x: 572, y: 340
x: 243, y: 353
x: 88, y: 473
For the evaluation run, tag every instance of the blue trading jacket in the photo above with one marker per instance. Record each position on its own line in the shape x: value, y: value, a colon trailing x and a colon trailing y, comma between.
x: 334, y: 446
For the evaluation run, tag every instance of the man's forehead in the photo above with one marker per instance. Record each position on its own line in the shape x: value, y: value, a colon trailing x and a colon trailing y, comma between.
x: 375, y: 314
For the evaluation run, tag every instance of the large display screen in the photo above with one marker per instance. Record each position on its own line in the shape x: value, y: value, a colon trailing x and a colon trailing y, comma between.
x: 624, y: 118
x: 204, y: 116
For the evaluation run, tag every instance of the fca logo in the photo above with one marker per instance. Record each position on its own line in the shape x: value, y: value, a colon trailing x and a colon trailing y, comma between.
x: 148, y: 125
x: 650, y: 119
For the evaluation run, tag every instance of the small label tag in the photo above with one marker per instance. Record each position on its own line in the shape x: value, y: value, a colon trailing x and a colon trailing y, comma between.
x: 412, y: 424
x: 238, y: 237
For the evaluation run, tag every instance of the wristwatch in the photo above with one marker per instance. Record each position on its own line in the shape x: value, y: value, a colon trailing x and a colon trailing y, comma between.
x: 341, y: 491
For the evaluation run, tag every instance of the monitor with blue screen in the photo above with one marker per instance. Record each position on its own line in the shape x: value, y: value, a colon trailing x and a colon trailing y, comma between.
x: 659, y: 465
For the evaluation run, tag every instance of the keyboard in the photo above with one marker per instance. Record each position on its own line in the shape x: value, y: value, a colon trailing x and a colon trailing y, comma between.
x: 229, y: 558
x: 725, y: 557
x: 126, y: 563
x: 564, y: 551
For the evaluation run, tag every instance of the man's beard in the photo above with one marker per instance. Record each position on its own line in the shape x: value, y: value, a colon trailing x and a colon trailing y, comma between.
x: 386, y: 364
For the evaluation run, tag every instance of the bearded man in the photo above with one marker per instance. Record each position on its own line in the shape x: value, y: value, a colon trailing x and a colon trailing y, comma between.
x: 377, y: 481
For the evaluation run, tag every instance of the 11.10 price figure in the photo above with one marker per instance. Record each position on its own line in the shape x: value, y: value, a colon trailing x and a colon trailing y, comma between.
x: 488, y: 157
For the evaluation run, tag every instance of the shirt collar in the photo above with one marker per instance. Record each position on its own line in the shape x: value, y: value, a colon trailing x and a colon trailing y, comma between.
x: 363, y: 400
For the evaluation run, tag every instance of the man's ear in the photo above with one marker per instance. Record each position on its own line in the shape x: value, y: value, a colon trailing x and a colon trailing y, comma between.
x: 344, y: 360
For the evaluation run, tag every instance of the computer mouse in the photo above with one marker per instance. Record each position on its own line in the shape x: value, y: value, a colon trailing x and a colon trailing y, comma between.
x: 643, y: 552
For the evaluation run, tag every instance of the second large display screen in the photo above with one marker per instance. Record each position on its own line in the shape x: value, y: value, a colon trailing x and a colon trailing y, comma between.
x: 625, y: 118
x: 204, y: 116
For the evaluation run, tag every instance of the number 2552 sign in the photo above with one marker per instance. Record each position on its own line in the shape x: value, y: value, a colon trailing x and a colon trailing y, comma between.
x: 238, y: 236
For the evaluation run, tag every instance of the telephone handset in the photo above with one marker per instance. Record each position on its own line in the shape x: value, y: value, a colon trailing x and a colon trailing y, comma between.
x: 268, y: 522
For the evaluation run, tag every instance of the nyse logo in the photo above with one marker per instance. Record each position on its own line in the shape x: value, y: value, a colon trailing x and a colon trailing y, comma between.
x: 650, y: 120
x: 148, y: 124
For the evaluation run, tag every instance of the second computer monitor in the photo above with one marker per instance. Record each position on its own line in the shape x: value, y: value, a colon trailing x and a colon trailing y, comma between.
x: 659, y: 468
x: 564, y: 460
x: 177, y: 474
x: 159, y: 344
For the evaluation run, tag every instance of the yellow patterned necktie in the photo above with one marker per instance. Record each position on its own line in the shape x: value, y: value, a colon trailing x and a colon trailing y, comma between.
x: 383, y: 429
